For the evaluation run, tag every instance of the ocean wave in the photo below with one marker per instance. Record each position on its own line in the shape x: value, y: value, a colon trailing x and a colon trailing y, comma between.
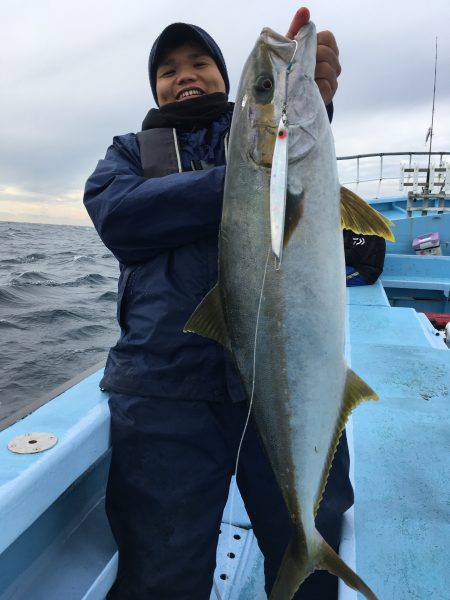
x: 20, y: 260
x: 34, y: 256
x: 52, y: 315
x: 108, y: 297
x: 82, y: 258
x: 38, y: 278
x: 10, y: 297
x: 90, y: 279
x: 96, y: 349
x: 32, y: 278
x: 84, y: 332
x: 4, y: 324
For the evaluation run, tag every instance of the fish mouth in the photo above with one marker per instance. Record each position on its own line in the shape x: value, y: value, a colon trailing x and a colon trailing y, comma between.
x: 272, y: 37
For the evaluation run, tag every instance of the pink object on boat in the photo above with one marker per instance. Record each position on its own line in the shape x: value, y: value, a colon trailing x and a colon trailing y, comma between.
x: 427, y: 244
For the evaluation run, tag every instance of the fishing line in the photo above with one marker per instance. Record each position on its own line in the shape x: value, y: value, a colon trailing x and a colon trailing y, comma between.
x: 233, y: 487
x: 288, y: 70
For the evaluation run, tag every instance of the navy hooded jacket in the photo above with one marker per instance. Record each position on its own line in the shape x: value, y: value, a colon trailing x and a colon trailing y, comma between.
x: 164, y: 233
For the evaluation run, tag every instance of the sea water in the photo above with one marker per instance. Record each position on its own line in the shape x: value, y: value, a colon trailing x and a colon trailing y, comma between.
x: 58, y: 292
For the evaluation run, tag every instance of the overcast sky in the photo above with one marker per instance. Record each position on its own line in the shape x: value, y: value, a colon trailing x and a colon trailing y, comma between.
x: 74, y: 74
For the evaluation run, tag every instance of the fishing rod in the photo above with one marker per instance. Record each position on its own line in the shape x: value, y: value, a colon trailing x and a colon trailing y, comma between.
x: 430, y: 130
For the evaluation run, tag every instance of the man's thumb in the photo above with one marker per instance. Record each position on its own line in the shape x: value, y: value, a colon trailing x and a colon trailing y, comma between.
x: 301, y: 17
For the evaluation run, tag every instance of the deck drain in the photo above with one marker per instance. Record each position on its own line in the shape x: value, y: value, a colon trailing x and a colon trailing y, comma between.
x: 32, y: 443
x: 223, y: 576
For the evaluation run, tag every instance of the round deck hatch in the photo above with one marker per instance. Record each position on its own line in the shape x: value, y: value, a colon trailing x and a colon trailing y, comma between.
x: 31, y: 443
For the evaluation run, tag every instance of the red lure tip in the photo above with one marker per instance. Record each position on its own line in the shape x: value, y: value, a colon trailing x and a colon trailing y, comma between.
x: 282, y: 133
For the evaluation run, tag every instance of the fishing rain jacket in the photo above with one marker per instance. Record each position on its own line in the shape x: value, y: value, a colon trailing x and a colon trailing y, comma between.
x: 164, y: 233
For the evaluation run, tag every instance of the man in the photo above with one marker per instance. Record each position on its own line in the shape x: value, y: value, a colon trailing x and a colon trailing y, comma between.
x: 177, y: 405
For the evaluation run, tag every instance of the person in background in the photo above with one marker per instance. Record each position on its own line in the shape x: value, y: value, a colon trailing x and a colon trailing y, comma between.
x: 177, y: 405
x: 364, y: 257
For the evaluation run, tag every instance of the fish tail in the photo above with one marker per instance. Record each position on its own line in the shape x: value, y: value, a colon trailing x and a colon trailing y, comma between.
x: 295, y: 569
x: 333, y: 563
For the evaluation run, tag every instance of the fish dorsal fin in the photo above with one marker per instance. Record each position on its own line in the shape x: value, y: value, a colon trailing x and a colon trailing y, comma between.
x: 356, y: 390
x: 360, y: 217
x: 208, y: 318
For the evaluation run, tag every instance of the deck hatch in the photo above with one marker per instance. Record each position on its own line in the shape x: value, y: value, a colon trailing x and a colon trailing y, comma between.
x: 32, y: 443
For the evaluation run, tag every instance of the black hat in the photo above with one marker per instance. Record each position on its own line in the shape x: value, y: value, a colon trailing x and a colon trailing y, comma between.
x: 174, y: 35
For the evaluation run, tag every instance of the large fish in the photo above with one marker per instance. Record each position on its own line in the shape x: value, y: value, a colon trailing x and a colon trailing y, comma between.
x: 279, y: 305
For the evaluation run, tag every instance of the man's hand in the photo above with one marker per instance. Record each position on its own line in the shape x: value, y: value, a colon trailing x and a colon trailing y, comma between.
x: 328, y: 68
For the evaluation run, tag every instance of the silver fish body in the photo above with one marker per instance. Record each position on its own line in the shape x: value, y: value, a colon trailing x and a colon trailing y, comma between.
x: 300, y: 371
x: 275, y: 318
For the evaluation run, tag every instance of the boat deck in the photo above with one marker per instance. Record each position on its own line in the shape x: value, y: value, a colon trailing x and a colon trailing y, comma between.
x: 55, y: 540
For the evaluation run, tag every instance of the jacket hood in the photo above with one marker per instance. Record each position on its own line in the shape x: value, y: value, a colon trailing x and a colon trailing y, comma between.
x: 175, y: 34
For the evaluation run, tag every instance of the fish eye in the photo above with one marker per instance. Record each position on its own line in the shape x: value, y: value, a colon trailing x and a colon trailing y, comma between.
x: 264, y: 83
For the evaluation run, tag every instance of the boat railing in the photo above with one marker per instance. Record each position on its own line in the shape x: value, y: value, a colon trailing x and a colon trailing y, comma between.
x: 376, y: 168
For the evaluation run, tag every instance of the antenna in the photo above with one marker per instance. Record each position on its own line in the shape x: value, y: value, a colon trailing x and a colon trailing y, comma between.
x: 430, y: 130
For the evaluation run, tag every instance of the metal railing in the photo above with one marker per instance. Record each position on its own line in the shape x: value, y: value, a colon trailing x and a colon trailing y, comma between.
x: 381, y: 155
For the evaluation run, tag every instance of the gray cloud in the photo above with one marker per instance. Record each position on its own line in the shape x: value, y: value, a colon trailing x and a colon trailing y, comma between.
x: 75, y: 76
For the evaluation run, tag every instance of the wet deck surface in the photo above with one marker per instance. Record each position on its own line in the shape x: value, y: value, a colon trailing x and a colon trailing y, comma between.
x: 397, y: 536
x: 400, y: 447
x: 398, y: 531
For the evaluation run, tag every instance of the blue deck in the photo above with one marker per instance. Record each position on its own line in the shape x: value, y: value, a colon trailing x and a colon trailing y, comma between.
x: 55, y: 541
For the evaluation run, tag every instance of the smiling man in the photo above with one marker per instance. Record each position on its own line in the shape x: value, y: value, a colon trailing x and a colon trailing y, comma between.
x: 187, y: 72
x: 177, y: 405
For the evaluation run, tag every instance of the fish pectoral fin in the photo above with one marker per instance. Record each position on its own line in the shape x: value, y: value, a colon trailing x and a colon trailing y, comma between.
x: 208, y: 319
x: 356, y: 390
x: 360, y: 217
x: 294, y: 209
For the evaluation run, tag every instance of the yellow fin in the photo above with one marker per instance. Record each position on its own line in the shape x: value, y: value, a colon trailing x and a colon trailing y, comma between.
x: 208, y: 318
x: 356, y: 390
x: 360, y: 217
